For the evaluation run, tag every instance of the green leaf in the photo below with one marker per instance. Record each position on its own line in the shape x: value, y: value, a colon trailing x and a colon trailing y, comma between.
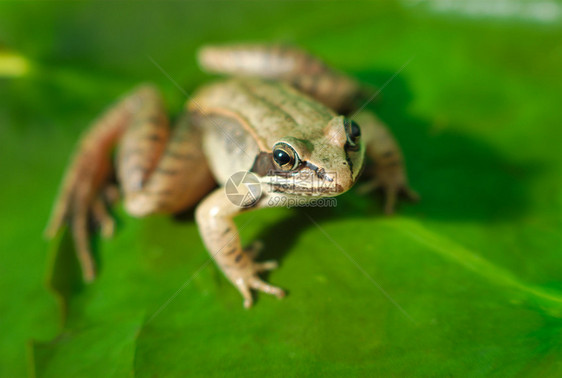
x: 92, y: 358
x: 468, y: 282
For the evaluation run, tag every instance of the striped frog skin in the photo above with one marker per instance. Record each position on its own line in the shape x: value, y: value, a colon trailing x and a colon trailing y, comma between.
x: 281, y: 117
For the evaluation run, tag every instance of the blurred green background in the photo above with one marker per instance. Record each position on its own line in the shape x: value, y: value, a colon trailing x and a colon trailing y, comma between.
x: 466, y: 283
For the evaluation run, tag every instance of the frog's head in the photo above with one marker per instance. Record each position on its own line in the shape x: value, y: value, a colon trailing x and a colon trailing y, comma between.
x: 326, y: 163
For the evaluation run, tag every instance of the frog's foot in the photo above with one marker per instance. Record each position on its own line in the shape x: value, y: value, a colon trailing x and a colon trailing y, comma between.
x: 392, y: 186
x: 75, y: 210
x: 392, y: 192
x: 246, y: 278
x: 80, y: 214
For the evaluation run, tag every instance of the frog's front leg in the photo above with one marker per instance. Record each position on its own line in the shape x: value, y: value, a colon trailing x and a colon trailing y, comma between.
x: 221, y: 237
x: 388, y: 171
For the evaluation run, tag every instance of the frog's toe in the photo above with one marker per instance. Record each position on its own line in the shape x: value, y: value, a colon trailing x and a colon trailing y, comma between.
x: 81, y: 236
x: 390, y: 200
x: 256, y: 284
x: 410, y: 194
x: 244, y: 289
x: 248, y: 303
x: 108, y: 228
x: 392, y: 193
x: 103, y: 218
x: 260, y: 285
x: 266, y: 265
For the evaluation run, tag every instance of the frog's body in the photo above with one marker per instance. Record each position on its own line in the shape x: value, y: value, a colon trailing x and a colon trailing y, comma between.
x: 267, y: 127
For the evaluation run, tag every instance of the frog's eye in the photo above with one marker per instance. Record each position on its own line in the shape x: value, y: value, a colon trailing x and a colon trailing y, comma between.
x: 285, y: 156
x: 353, y: 132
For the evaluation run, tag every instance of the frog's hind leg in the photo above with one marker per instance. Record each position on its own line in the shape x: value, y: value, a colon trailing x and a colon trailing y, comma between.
x: 179, y: 179
x: 157, y: 173
x: 300, y: 69
x: 80, y: 198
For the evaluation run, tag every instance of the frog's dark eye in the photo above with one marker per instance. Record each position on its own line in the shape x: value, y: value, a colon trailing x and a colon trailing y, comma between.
x: 285, y: 156
x: 353, y: 132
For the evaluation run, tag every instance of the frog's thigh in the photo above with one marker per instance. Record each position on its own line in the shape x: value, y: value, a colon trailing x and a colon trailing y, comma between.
x: 80, y: 198
x: 174, y: 182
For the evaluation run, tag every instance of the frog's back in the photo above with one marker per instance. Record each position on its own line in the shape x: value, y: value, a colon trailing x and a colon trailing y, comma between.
x: 268, y: 110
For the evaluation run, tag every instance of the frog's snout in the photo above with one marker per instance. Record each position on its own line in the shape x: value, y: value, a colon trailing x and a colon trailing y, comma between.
x: 344, y: 179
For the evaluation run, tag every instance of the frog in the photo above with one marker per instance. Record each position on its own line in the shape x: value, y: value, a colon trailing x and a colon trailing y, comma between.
x: 277, y: 114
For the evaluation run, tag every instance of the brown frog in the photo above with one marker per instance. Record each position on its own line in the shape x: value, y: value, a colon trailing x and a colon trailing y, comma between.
x: 276, y: 119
